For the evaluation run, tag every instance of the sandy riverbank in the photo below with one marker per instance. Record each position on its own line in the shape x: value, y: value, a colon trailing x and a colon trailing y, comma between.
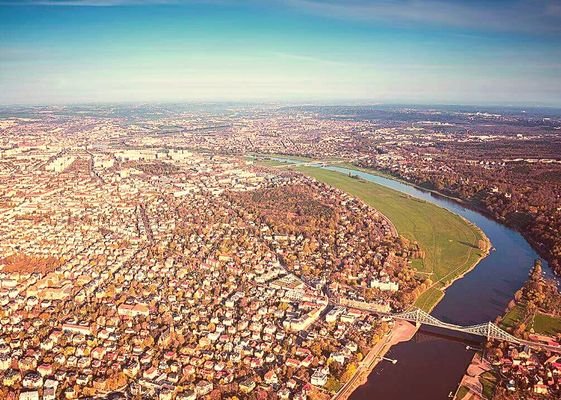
x: 402, y: 331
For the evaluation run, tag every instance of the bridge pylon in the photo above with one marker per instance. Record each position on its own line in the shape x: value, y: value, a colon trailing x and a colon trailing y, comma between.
x: 418, y: 318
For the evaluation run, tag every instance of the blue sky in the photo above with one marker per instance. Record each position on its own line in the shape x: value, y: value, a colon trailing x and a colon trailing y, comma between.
x: 407, y: 51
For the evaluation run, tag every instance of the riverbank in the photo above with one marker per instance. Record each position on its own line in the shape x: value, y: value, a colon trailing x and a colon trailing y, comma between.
x: 491, y: 291
x: 474, y: 384
x: 422, y: 303
x: 450, y: 243
x: 475, y: 243
x: 485, y: 252
x: 537, y: 246
x: 402, y: 331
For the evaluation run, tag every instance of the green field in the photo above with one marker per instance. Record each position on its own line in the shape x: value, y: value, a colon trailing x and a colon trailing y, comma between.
x: 429, y: 298
x: 449, y: 242
x: 270, y: 163
x: 266, y: 161
x: 513, y: 317
x: 349, y: 165
x: 542, y: 324
x: 546, y: 325
x: 462, y: 392
x: 489, y: 382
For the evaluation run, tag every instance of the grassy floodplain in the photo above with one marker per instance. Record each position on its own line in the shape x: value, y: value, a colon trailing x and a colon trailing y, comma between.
x: 513, y: 317
x: 449, y: 241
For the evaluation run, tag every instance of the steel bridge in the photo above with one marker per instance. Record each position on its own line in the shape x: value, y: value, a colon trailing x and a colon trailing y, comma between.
x: 488, y: 329
x: 419, y: 317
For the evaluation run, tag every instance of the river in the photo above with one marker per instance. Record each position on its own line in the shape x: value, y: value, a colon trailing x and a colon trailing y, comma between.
x: 431, y: 365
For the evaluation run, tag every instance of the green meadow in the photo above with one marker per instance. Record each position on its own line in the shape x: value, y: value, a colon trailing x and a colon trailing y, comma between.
x: 450, y: 243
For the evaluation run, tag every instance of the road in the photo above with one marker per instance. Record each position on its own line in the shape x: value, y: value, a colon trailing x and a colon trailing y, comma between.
x: 401, y: 332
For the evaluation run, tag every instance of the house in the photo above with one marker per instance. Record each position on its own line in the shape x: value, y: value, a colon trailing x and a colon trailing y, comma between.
x: 187, y: 395
x: 49, y: 389
x: 271, y: 378
x: 32, y: 395
x: 132, y: 368
x: 75, y: 328
x: 151, y: 373
x: 247, y: 385
x: 540, y: 388
x: 98, y: 353
x: 384, y: 285
x: 339, y: 357
x: 45, y: 369
x: 307, y: 361
x: 165, y: 394
x: 203, y: 388
x: 135, y: 310
x: 32, y: 380
x: 5, y: 362
x: 319, y: 377
x: 284, y: 394
x: 291, y: 362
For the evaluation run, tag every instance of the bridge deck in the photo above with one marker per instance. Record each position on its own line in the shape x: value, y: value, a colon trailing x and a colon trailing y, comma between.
x: 488, y: 330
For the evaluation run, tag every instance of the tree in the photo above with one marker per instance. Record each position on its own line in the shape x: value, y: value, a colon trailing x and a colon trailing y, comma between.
x: 511, y: 305
x: 498, y: 353
x: 536, y: 273
x: 349, y: 372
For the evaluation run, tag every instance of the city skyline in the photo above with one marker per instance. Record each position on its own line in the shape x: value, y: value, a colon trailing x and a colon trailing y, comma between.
x: 58, y: 52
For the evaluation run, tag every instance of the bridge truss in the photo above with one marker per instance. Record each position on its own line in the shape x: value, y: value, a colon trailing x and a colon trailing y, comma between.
x: 488, y: 329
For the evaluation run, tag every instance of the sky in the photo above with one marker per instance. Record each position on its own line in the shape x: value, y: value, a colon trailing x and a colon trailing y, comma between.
x: 500, y: 52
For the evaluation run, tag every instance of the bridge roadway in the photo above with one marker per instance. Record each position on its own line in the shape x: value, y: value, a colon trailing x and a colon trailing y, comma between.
x: 488, y: 330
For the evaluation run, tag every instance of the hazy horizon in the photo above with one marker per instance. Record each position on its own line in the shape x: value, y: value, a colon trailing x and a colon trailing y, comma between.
x: 287, y: 103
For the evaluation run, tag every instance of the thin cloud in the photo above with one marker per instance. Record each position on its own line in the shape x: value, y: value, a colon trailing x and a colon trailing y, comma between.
x: 526, y: 16
x: 519, y: 15
x: 372, y: 65
x: 98, y: 3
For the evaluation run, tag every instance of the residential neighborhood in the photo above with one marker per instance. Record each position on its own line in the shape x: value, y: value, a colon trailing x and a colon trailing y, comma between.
x: 163, y: 273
